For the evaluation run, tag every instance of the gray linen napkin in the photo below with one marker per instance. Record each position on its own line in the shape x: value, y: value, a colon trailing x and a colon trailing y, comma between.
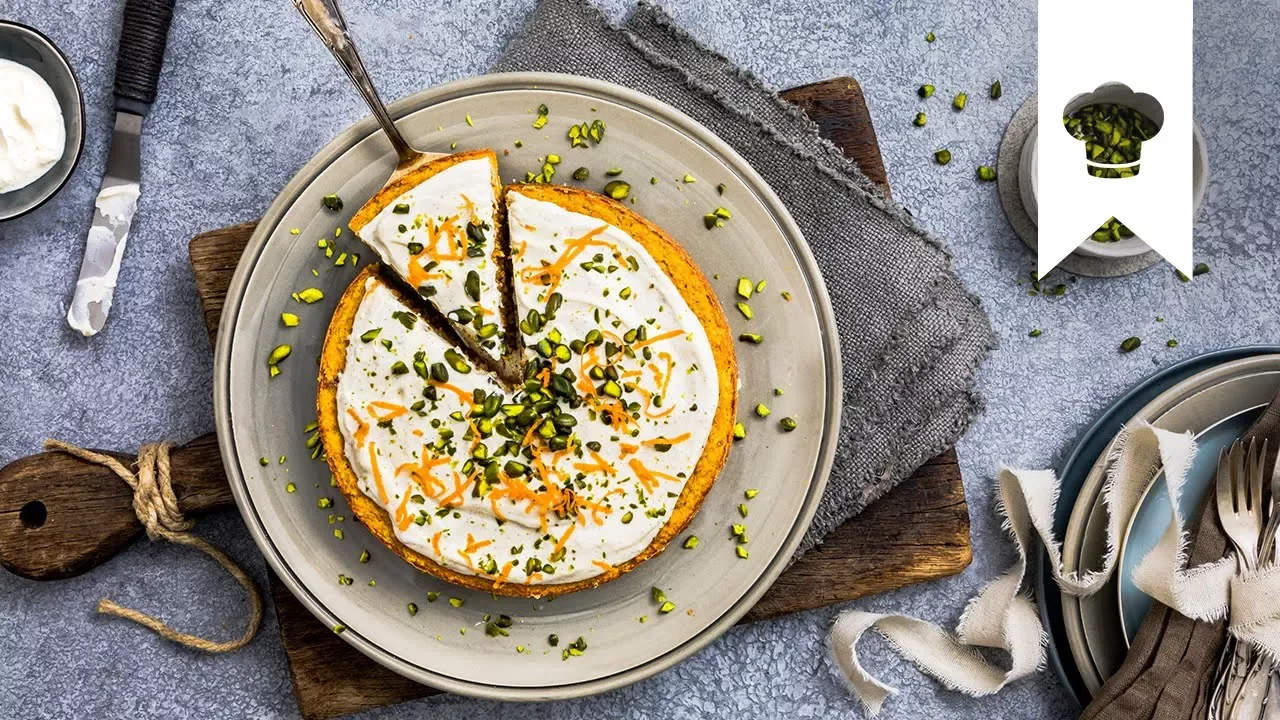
x: 911, y: 335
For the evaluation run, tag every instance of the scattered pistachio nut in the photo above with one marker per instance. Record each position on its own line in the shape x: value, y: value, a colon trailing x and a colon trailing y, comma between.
x: 986, y: 173
x: 959, y: 101
x: 925, y: 91
x: 1130, y: 344
x: 996, y: 90
x: 942, y: 157
x: 920, y: 120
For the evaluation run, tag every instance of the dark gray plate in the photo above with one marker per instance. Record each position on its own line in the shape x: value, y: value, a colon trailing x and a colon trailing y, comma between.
x: 261, y: 417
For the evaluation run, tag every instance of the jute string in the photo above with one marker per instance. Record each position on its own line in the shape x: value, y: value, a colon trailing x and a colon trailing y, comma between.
x: 157, y: 510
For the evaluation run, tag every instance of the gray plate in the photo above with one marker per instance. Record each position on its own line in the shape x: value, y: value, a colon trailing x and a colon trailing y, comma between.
x: 260, y: 417
x: 1095, y: 634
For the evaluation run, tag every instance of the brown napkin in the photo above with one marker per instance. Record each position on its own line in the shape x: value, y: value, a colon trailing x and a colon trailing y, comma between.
x: 1170, y: 666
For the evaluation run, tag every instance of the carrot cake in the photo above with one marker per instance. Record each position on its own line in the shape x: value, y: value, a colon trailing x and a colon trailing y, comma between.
x: 593, y: 460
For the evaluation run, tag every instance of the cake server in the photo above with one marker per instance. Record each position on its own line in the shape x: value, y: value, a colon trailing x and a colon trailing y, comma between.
x: 328, y: 23
x: 143, y: 35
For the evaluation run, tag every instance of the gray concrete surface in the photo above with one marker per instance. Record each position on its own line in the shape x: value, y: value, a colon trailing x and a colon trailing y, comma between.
x: 247, y: 96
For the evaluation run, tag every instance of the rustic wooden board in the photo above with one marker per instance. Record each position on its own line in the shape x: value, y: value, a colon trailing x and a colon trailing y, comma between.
x: 919, y: 531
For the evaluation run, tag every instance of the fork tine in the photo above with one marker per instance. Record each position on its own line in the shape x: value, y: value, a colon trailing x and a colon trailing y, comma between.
x: 1257, y: 454
x: 1238, y: 487
x: 1224, y: 486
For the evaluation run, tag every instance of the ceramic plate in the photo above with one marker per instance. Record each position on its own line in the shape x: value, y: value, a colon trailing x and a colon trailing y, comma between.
x: 1201, y: 405
x: 1152, y: 518
x: 1090, y: 445
x: 627, y: 639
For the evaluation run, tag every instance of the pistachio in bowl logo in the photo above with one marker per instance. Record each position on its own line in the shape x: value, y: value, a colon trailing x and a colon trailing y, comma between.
x: 1126, y: 151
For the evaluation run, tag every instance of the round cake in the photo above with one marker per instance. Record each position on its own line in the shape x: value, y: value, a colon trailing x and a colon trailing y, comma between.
x: 583, y: 454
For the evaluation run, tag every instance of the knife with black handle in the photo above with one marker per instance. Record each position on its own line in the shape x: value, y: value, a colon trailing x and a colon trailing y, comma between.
x: 144, y: 34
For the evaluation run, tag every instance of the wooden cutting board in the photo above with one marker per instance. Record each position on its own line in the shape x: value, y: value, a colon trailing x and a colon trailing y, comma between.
x: 919, y: 531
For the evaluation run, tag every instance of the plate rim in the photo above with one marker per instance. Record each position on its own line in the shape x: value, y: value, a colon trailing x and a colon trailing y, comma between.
x: 681, y: 123
x: 1046, y: 591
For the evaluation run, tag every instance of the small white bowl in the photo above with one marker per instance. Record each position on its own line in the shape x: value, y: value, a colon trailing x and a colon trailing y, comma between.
x: 1028, y: 163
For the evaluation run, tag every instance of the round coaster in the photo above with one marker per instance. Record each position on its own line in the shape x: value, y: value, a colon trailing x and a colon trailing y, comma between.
x: 1021, y: 126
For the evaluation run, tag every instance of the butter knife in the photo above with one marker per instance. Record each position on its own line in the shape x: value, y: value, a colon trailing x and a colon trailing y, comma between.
x: 144, y: 33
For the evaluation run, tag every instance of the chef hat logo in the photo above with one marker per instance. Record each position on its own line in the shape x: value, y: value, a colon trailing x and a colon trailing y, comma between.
x: 1112, y: 122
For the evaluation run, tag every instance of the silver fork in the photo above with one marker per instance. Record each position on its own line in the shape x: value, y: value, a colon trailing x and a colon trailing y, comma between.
x: 1239, y: 500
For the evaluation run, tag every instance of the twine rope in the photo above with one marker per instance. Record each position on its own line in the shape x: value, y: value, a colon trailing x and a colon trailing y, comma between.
x: 157, y: 508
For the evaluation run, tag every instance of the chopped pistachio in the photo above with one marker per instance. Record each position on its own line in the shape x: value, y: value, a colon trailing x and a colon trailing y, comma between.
x: 753, y: 338
x: 711, y: 221
x: 332, y: 202
x: 762, y: 410
x: 364, y: 556
x: 942, y: 157
x: 290, y: 488
x: 667, y: 607
x: 553, y: 639
x: 279, y: 354
x: 1172, y: 343
x: 745, y: 288
x: 996, y: 90
x: 468, y: 119
x: 324, y: 503
x: 311, y: 295
x: 263, y: 461
x: 721, y: 213
x: 689, y: 178
x: 986, y: 173
x: 1200, y: 269
x: 433, y: 595
x: 919, y: 120
x: 658, y: 595
x: 456, y: 602
x: 337, y: 532
x: 413, y: 608
x: 339, y: 628
x: 1034, y: 333
x: 289, y: 319
x: 788, y: 424
x: 720, y: 189
x: 690, y: 542
x: 1130, y: 344
x: 745, y: 309
x: 581, y: 174
x: 959, y: 101
x: 751, y: 493
x: 617, y: 189
x: 741, y: 552
x: 929, y: 37
x: 925, y: 91
x: 739, y: 431
x: 760, y: 286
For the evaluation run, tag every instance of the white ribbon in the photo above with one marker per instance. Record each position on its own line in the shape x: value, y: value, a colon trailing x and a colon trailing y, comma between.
x: 1003, y: 617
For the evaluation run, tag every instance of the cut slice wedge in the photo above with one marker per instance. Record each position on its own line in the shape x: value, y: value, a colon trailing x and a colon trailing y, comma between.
x: 439, y: 230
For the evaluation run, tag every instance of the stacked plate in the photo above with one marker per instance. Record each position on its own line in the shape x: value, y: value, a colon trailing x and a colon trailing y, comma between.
x: 1216, y: 397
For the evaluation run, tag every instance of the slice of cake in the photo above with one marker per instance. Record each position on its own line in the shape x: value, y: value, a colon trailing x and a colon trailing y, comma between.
x: 438, y: 230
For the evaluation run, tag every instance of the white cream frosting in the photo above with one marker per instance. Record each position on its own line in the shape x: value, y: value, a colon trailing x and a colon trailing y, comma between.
x: 622, y: 492
x: 435, y: 215
x: 32, y: 133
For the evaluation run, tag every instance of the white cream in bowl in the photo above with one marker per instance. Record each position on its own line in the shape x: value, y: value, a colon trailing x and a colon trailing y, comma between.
x: 32, y: 133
